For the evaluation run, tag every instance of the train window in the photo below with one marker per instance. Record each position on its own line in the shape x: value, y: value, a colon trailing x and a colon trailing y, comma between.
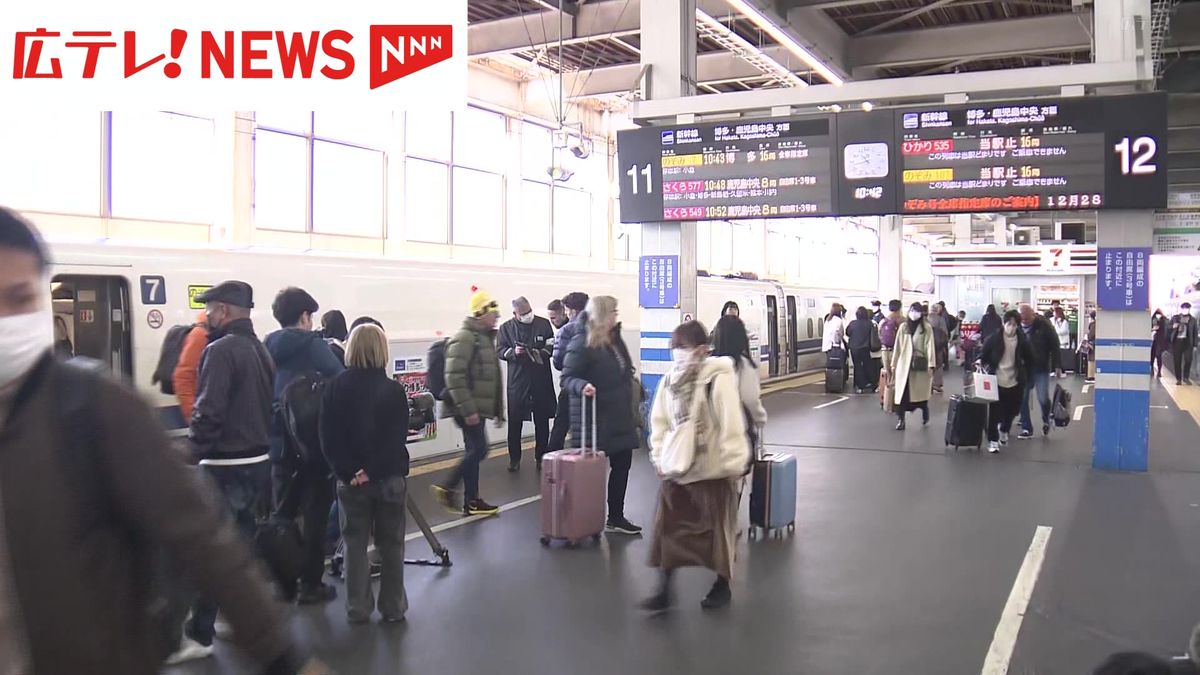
x: 821, y: 327
x: 810, y: 328
x: 95, y: 319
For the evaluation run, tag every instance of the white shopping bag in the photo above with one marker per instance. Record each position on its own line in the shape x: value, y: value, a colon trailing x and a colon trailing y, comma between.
x: 986, y: 387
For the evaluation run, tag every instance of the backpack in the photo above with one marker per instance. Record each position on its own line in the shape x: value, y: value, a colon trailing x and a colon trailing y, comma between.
x: 168, y: 358
x: 300, y: 406
x: 435, y: 369
x: 166, y: 601
x: 876, y: 345
x: 1061, y: 406
x: 887, y: 333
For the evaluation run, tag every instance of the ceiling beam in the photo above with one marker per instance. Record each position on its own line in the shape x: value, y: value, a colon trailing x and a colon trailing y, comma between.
x: 595, y: 20
x: 912, y: 14
x: 713, y: 67
x: 1009, y: 37
x: 827, y: 4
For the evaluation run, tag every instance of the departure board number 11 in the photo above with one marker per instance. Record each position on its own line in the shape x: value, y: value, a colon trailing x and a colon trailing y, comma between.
x: 633, y: 178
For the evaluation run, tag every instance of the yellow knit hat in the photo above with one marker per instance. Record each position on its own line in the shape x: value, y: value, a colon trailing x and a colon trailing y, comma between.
x: 481, y: 303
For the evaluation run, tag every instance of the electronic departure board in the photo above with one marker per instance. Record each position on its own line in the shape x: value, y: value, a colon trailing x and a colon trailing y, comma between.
x: 780, y: 168
x: 1039, y: 154
x: 1060, y: 154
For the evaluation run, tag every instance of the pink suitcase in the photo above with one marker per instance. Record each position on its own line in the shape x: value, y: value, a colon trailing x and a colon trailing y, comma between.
x: 574, y: 483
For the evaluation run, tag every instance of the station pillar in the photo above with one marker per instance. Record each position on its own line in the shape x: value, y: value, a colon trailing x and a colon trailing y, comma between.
x: 961, y: 229
x: 669, y: 57
x: 891, y: 259
x: 1122, y: 398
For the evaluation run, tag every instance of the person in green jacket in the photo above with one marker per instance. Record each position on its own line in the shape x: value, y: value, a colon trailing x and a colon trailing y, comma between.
x: 474, y: 395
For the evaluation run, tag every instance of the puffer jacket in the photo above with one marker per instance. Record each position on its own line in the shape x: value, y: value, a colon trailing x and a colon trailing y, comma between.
x: 610, y: 371
x: 726, y: 447
x: 473, y: 382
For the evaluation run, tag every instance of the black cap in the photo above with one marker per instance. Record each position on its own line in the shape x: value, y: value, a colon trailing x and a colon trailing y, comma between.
x: 236, y: 293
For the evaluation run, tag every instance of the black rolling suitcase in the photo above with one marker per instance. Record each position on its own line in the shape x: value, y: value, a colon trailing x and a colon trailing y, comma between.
x: 966, y: 422
x: 835, y: 366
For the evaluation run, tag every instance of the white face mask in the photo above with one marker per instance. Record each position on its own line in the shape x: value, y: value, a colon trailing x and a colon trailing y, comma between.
x: 914, y: 315
x: 526, y: 318
x: 1010, y: 329
x: 683, y: 356
x: 24, y: 338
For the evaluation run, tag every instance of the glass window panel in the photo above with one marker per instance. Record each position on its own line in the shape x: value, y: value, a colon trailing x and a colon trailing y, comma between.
x: 426, y: 190
x: 572, y: 222
x: 298, y: 121
x: 280, y: 181
x: 163, y: 167
x: 428, y: 134
x: 368, y: 128
x: 478, y: 208
x: 537, y: 151
x: 535, y: 216
x: 51, y: 161
x: 704, y: 245
x: 635, y: 240
x: 480, y: 139
x: 347, y: 190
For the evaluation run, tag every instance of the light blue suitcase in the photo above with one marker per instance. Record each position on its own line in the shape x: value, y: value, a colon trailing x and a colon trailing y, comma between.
x: 773, y: 494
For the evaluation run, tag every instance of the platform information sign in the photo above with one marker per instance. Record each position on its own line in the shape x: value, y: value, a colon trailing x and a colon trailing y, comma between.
x: 1043, y: 154
x: 1124, y: 279
x: 780, y: 168
x: 659, y: 285
x: 1064, y: 154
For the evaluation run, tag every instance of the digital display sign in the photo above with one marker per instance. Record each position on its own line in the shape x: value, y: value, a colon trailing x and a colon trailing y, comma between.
x: 780, y: 168
x: 1063, y: 154
x: 1054, y: 154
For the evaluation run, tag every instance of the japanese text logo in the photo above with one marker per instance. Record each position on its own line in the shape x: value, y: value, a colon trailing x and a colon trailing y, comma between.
x: 358, y: 52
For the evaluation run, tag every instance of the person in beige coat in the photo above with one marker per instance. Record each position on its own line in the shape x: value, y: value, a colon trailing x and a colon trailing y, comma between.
x: 913, y: 361
x: 699, y: 447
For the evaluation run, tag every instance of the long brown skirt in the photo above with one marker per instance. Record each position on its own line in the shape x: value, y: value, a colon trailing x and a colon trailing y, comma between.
x: 696, y: 526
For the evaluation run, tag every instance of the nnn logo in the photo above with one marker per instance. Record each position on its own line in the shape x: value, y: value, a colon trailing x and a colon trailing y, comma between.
x: 400, y: 51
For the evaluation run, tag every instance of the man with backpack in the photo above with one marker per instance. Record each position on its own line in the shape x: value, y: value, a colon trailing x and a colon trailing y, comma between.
x: 302, y: 483
x: 474, y: 393
x: 179, y: 364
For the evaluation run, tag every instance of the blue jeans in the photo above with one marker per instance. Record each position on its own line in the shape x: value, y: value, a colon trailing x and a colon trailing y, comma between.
x: 1041, y: 382
x: 243, y: 488
x: 467, y: 472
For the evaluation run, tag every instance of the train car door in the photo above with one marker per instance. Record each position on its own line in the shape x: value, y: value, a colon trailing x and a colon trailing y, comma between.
x: 793, y: 337
x: 95, y: 318
x: 773, y: 335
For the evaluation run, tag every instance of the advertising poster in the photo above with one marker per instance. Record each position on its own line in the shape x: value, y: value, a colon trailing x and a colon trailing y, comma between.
x: 410, y: 372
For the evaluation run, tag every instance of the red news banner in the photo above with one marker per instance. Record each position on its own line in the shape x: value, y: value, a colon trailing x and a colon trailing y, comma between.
x: 393, y: 55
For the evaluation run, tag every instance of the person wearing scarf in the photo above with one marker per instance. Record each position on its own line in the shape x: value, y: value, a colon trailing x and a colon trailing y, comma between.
x: 913, y: 364
x: 699, y: 447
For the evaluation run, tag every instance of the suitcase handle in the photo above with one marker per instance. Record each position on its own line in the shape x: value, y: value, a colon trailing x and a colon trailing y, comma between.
x: 583, y: 423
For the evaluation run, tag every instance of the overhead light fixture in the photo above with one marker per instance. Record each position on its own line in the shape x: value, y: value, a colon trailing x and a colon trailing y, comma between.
x: 771, y: 28
x: 722, y: 35
x: 868, y: 106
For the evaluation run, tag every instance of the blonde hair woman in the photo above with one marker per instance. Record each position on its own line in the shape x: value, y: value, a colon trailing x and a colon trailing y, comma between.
x: 364, y: 430
x: 598, y: 365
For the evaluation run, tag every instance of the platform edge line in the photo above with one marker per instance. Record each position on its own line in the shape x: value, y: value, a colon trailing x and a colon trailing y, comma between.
x: 1004, y: 641
x: 473, y: 519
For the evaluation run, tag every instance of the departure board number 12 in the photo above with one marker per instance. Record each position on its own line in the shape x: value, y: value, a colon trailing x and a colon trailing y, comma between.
x: 1136, y: 155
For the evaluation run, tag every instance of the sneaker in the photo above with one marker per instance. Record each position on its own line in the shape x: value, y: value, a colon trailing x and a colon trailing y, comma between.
x: 478, y: 507
x: 1025, y: 433
x: 1003, y: 438
x: 719, y: 596
x: 993, y: 447
x: 446, y: 497
x: 901, y: 426
x: 189, y: 650
x: 1046, y: 429
x: 318, y: 595
x: 621, y: 526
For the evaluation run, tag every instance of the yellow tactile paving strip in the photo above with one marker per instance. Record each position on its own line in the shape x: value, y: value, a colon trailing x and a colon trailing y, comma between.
x: 1187, y: 397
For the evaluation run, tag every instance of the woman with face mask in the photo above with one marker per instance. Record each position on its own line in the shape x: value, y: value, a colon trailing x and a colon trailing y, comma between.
x: 913, y: 363
x: 699, y: 447
x: 1007, y: 355
x: 1160, y: 340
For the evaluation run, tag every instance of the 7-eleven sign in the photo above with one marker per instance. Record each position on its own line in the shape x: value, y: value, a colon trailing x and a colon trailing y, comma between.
x: 1056, y: 259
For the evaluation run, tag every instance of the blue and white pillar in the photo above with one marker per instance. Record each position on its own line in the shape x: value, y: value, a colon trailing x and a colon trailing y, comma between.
x: 671, y: 57
x: 1122, y: 392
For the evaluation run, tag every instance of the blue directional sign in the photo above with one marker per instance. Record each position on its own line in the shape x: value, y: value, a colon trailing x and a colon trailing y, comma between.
x: 1123, y: 279
x: 659, y: 285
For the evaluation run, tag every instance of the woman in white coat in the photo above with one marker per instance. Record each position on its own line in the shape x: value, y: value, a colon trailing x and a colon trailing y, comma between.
x: 699, y: 447
x: 730, y: 339
x: 913, y: 363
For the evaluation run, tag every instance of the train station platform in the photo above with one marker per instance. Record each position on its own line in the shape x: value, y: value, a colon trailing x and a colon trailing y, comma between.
x: 904, y: 559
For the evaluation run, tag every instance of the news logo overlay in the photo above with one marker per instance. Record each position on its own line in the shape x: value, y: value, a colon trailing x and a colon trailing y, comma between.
x: 235, y: 56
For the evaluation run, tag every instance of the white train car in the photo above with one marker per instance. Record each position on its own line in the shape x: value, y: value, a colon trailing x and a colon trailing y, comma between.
x: 118, y: 301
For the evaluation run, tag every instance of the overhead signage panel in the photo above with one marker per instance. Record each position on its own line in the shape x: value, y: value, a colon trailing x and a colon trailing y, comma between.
x: 1034, y: 155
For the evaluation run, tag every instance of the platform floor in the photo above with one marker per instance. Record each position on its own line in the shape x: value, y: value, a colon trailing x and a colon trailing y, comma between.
x: 903, y: 558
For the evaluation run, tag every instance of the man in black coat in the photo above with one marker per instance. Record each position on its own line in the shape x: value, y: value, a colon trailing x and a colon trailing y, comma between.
x: 526, y: 343
x: 1044, y: 346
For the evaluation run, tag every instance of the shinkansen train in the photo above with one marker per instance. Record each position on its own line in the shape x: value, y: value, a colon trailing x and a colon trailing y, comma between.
x: 118, y: 302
